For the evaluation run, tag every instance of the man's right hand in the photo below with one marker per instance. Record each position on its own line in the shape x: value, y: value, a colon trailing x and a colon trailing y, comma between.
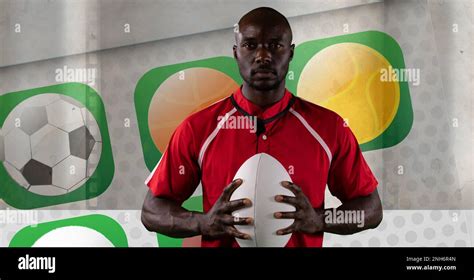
x: 219, y: 222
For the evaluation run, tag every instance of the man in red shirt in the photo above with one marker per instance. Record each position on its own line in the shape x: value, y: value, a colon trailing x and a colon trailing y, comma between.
x: 313, y: 143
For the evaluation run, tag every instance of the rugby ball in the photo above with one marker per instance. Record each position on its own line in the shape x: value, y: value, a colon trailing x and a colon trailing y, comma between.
x: 262, y: 175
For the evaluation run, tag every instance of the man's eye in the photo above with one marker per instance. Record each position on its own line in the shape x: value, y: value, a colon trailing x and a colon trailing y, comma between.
x: 275, y: 45
x: 249, y: 45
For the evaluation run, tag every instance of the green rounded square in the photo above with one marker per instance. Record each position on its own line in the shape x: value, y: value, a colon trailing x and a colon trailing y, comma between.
x: 17, y: 196
x: 111, y: 229
x: 151, y: 81
x: 390, y: 49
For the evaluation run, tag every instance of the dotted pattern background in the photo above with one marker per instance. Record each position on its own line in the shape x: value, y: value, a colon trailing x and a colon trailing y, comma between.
x: 403, y: 228
x: 399, y: 228
x: 430, y: 180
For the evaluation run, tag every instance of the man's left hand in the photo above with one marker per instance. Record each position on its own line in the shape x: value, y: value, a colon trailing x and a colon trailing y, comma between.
x: 307, y: 219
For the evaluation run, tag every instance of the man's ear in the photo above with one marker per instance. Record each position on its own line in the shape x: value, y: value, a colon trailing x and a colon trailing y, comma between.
x: 292, y: 51
x: 234, y: 48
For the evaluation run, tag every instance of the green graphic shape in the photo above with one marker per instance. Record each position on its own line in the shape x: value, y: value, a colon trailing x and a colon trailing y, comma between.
x: 390, y: 49
x: 105, y: 225
x: 19, y: 197
x: 151, y: 81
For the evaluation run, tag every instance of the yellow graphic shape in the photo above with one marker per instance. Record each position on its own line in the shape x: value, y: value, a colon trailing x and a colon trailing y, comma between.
x: 182, y: 94
x: 349, y: 79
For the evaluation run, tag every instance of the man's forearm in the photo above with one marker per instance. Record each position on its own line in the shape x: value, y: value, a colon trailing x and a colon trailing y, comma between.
x: 166, y: 217
x: 352, y: 216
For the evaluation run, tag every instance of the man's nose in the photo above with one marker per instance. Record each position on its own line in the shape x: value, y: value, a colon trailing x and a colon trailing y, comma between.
x: 263, y: 55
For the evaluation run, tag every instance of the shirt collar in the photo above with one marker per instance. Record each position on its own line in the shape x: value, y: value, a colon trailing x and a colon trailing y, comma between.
x: 255, y: 110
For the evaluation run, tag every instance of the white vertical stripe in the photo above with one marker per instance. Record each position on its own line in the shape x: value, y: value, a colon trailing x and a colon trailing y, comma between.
x: 213, y: 135
x: 314, y: 133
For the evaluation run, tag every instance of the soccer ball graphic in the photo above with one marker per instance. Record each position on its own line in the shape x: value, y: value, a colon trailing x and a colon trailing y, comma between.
x: 50, y: 144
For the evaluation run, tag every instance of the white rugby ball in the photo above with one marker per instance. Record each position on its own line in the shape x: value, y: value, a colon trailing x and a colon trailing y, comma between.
x: 73, y: 236
x: 262, y: 175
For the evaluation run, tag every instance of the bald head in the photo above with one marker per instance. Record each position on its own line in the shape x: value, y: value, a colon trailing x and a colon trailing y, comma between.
x: 264, y: 17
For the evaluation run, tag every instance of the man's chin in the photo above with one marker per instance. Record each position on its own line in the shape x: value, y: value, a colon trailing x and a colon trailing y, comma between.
x: 264, y: 85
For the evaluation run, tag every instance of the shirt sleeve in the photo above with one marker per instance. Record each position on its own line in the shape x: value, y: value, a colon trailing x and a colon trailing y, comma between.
x: 177, y: 174
x: 349, y: 175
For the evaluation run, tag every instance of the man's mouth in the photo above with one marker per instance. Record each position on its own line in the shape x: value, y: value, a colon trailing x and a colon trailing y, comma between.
x: 263, y: 73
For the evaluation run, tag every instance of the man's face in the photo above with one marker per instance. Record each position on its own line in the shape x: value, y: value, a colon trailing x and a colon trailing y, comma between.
x: 263, y: 52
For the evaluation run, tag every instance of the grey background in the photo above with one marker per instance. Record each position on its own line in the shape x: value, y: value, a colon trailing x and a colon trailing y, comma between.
x: 60, y: 28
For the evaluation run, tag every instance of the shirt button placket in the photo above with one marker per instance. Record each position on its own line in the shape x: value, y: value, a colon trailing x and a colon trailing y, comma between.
x: 264, y: 143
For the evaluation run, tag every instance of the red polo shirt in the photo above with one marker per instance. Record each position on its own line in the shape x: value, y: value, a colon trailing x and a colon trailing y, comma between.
x: 310, y: 141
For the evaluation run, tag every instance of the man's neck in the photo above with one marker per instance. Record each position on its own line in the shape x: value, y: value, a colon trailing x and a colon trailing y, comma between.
x: 263, y: 98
